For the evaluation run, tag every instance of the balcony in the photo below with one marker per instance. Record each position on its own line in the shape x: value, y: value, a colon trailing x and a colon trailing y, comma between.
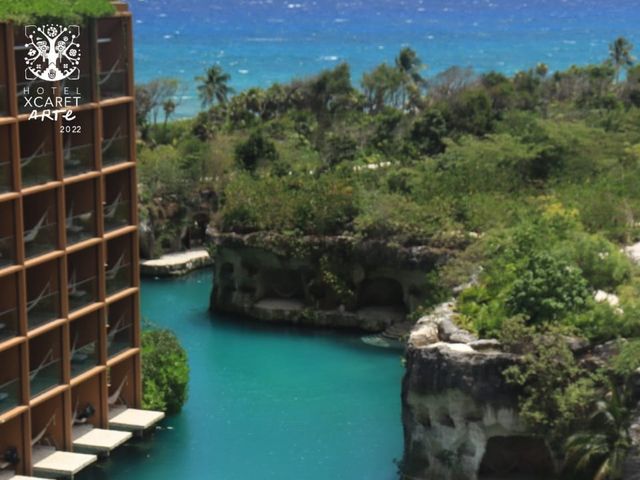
x: 117, y: 208
x: 9, y: 319
x: 119, y: 269
x: 115, y: 135
x: 6, y: 170
x: 78, y: 148
x: 10, y: 391
x: 84, y: 343
x: 120, y: 317
x: 45, y: 366
x: 37, y: 158
x: 43, y: 293
x: 40, y: 223
x: 7, y: 234
x: 113, y: 58
x: 80, y: 201
x: 82, y: 287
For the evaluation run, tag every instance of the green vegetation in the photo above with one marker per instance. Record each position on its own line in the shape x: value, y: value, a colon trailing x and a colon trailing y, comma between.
x: 530, y: 182
x: 30, y: 11
x: 165, y: 371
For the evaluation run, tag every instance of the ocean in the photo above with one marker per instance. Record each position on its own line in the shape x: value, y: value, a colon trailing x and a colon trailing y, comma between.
x: 259, y: 42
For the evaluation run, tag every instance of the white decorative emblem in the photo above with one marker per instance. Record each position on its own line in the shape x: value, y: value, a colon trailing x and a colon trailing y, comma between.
x: 53, y: 52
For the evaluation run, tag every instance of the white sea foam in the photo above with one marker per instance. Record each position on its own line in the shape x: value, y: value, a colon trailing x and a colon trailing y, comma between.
x: 243, y: 71
x: 167, y: 37
x: 329, y: 58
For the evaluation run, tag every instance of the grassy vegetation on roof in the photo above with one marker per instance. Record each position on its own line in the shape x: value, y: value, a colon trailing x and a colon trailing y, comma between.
x: 34, y: 11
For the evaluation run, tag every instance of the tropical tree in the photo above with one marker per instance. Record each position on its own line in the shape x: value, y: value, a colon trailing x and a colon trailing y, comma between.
x: 410, y: 66
x: 620, y: 55
x: 602, y: 449
x: 169, y: 107
x: 214, y: 86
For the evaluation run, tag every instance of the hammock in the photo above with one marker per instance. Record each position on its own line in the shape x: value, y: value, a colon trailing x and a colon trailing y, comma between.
x: 115, y: 396
x: 113, y: 138
x: 34, y: 373
x: 111, y: 71
x: 33, y: 232
x: 30, y: 158
x: 111, y: 209
x: 112, y: 332
x: 73, y: 287
x: 34, y: 303
x: 42, y: 433
x: 113, y: 272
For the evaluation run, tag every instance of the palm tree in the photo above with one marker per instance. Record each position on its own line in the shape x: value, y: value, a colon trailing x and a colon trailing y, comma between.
x: 213, y: 87
x: 409, y: 65
x: 620, y: 53
x: 602, y: 449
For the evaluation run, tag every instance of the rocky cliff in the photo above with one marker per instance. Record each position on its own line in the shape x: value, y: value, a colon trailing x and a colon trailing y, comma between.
x: 459, y: 415
x: 324, y: 281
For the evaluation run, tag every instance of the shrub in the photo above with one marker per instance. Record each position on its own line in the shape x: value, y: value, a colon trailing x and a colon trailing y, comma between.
x: 257, y: 148
x: 557, y: 394
x: 165, y: 371
x: 546, y: 289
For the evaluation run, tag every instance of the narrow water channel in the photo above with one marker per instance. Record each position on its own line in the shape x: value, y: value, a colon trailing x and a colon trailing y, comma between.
x: 266, y: 402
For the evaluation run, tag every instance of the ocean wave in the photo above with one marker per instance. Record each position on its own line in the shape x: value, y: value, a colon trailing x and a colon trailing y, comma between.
x: 265, y: 39
x: 329, y: 58
x: 243, y: 71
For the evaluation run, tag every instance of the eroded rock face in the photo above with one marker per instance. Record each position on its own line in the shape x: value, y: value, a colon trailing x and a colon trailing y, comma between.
x: 321, y: 281
x: 460, y: 416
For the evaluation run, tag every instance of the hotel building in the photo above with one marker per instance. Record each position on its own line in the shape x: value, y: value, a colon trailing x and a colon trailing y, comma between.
x: 69, y: 283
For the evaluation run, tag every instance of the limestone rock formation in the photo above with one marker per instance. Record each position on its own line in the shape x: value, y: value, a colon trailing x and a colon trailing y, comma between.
x: 322, y: 281
x: 460, y: 416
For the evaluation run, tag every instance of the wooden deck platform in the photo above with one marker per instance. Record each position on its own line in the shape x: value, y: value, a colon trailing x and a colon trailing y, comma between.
x: 48, y: 461
x: 87, y: 438
x: 132, y: 419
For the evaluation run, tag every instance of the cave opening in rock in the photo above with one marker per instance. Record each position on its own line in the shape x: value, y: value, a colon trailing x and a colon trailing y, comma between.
x: 516, y: 457
x: 283, y: 284
x: 380, y: 292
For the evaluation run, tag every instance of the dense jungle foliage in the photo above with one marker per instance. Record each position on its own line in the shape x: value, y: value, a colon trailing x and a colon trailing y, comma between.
x: 531, y: 181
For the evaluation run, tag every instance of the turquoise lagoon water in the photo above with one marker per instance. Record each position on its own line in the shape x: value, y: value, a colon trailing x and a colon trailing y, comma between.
x: 266, y: 403
x: 263, y: 41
